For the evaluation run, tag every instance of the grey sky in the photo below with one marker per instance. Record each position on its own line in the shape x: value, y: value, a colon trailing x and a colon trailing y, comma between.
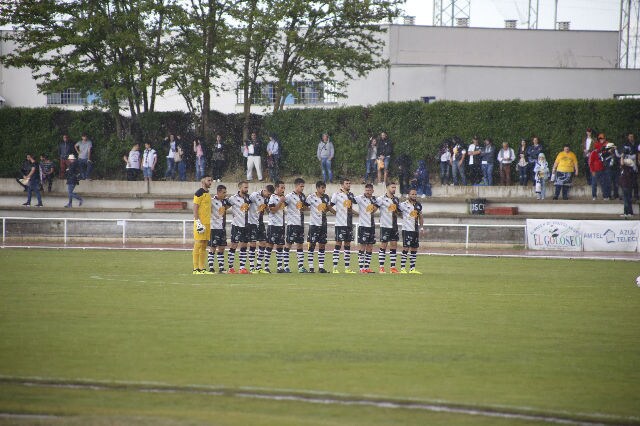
x: 583, y: 14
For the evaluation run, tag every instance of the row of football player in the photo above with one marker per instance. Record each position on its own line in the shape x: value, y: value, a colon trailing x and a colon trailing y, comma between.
x: 254, y: 242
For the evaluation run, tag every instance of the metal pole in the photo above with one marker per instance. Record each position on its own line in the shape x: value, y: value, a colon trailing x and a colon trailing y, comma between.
x: 184, y: 232
x: 466, y: 243
x: 4, y: 229
x: 555, y: 16
x: 124, y: 232
x: 65, y: 231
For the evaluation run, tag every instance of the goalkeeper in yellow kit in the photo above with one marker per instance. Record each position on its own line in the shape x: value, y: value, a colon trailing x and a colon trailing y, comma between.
x: 201, y: 225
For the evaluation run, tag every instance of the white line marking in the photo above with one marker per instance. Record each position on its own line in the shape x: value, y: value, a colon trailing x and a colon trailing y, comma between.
x: 332, y: 398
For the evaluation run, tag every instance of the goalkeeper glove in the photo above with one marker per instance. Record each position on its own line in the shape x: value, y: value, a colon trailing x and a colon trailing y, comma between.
x: 199, y: 227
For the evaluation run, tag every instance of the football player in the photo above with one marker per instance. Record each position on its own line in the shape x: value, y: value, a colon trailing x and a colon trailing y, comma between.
x: 411, y: 228
x: 239, y: 227
x: 318, y: 203
x: 275, y: 230
x: 201, y: 225
x: 366, y: 228
x: 218, y: 240
x: 342, y: 202
x: 257, y: 233
x: 389, y: 234
x: 296, y: 205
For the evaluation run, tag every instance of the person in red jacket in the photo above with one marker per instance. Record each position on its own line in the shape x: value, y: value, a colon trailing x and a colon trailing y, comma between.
x: 598, y: 175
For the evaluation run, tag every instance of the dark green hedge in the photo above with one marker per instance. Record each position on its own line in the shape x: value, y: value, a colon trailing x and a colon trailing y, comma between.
x: 416, y: 128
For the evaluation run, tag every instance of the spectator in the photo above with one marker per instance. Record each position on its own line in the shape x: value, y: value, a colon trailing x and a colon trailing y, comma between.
x: 423, y: 187
x: 474, y: 173
x: 72, y: 174
x: 628, y: 172
x: 25, y: 168
x: 611, y: 161
x: 47, y: 172
x: 180, y: 160
x: 564, y: 169
x: 170, y: 142
x: 253, y: 151
x: 533, y: 151
x: 385, y: 150
x: 487, y: 160
x: 325, y: 154
x: 149, y: 161
x: 132, y: 162
x: 634, y: 147
x: 505, y: 158
x: 405, y: 174
x: 198, y: 149
x: 458, y: 155
x: 65, y: 147
x: 444, y: 156
x: 598, y: 174
x: 83, y: 148
x: 587, y: 147
x: 218, y: 158
x: 273, y: 158
x: 541, y: 172
x: 523, y: 164
x: 370, y: 160
x: 33, y: 184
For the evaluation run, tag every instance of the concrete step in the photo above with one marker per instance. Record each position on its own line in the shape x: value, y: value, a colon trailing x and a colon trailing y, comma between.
x: 131, y: 199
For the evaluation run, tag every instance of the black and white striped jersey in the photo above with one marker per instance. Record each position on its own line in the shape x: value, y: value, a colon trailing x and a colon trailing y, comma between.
x: 240, y: 210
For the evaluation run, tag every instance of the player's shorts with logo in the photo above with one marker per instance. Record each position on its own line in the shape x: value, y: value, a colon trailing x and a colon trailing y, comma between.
x: 275, y: 235
x: 257, y: 232
x: 410, y: 239
x: 344, y: 233
x: 389, y: 234
x: 239, y: 234
x: 295, y: 234
x: 218, y: 238
x: 367, y: 235
x: 317, y: 234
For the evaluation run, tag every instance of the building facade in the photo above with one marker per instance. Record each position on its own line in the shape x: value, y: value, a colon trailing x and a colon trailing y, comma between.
x: 425, y: 63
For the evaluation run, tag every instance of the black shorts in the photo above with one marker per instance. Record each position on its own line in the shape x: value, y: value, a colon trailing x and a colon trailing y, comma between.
x: 218, y: 238
x: 239, y: 235
x: 367, y: 235
x: 317, y: 234
x: 344, y: 233
x: 275, y: 235
x: 410, y: 239
x: 389, y: 234
x: 257, y: 233
x: 295, y: 234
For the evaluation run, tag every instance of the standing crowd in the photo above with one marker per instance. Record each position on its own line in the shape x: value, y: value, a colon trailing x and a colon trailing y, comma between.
x: 614, y: 168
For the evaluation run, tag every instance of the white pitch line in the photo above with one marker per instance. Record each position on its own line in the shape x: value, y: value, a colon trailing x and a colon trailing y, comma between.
x: 326, y: 398
x: 542, y: 255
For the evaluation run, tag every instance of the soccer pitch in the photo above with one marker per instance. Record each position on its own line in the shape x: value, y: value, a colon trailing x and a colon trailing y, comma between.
x: 133, y: 338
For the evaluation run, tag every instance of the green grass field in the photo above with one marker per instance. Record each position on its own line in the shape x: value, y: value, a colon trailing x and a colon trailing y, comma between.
x: 144, y: 342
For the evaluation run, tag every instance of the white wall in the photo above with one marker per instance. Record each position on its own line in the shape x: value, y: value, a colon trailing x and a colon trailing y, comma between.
x: 448, y: 63
x: 484, y: 83
x: 500, y: 47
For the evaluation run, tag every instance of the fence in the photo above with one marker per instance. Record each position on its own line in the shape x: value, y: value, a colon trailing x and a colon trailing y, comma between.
x: 174, y: 231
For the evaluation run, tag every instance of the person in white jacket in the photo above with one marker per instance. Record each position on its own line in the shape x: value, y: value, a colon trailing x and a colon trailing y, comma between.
x: 505, y: 158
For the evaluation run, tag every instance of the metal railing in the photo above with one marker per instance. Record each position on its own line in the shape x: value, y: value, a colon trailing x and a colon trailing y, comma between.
x: 65, y: 228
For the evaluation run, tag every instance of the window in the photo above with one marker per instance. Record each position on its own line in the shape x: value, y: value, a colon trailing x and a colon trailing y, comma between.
x: 305, y: 93
x: 66, y: 97
x: 627, y: 96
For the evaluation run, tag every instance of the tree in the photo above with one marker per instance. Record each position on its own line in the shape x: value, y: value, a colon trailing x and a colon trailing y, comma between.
x: 330, y: 41
x: 201, y: 48
x: 112, y: 49
x: 257, y: 31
